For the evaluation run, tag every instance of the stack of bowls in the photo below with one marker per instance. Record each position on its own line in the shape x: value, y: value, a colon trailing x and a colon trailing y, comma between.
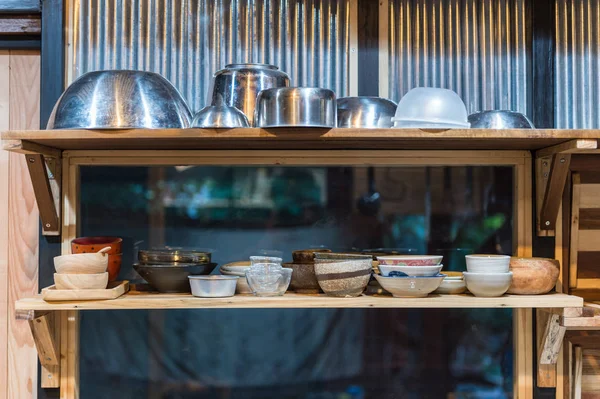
x: 488, y: 275
x: 238, y: 269
x: 266, y: 277
x: 452, y: 284
x: 304, y: 280
x: 90, y: 245
x: 167, y: 270
x: 81, y: 271
x: 413, y: 276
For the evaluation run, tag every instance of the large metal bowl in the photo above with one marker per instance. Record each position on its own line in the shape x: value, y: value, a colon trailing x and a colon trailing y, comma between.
x: 499, y: 120
x: 365, y: 112
x: 296, y: 107
x: 120, y: 99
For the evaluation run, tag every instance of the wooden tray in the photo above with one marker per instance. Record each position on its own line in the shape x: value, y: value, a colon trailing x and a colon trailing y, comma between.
x: 114, y: 290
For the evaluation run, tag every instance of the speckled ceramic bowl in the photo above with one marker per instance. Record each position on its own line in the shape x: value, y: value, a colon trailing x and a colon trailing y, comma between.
x: 343, y: 275
x: 304, y: 280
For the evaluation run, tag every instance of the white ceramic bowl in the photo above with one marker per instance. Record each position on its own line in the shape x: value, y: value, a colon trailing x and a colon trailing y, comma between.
x: 410, y: 287
x: 433, y: 108
x: 81, y: 263
x: 487, y: 263
x: 238, y: 269
x: 410, y: 260
x: 422, y: 271
x: 81, y: 281
x: 452, y: 286
x: 488, y: 284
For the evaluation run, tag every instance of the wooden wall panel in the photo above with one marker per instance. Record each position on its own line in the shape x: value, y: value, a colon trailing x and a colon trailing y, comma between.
x: 4, y: 117
x: 23, y: 222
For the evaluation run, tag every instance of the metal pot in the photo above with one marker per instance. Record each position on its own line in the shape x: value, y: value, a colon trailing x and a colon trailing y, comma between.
x: 365, y: 112
x: 239, y: 84
x: 499, y: 120
x: 296, y: 107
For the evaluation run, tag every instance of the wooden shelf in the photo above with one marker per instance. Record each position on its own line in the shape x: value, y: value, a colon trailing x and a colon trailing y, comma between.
x: 298, y: 138
x: 137, y: 300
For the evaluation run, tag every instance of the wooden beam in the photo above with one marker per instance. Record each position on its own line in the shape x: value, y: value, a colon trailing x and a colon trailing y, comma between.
x: 577, y: 372
x: 552, y: 340
x: 546, y: 373
x: 574, y: 229
x: 568, y: 147
x: 47, y: 203
x: 542, y: 173
x: 556, y: 183
x: 46, y: 335
x: 21, y: 24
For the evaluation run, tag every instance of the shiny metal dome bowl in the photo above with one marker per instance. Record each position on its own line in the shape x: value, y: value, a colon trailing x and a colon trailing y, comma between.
x: 120, y: 99
x: 499, y: 120
x: 365, y: 112
x: 220, y: 117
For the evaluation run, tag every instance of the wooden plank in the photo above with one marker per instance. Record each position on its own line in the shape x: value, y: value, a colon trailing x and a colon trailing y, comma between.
x: 23, y: 226
x: 523, y: 353
x: 137, y: 300
x: 542, y: 172
x: 568, y: 147
x: 383, y: 53
x: 581, y: 323
x: 353, y: 44
x: 574, y: 229
x: 587, y: 294
x: 4, y: 212
x: 588, y: 177
x: 546, y: 373
x: 590, y: 196
x: 589, y: 219
x: 588, y: 240
x: 43, y: 193
x: 559, y: 171
x: 301, y: 138
x: 577, y: 371
x: 588, y: 283
x: 42, y: 329
x: 21, y: 24
x: 552, y: 340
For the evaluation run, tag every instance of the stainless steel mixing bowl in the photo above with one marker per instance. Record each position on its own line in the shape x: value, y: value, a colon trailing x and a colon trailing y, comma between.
x: 120, y: 99
x: 296, y: 107
x: 365, y: 112
x: 239, y: 84
x: 499, y: 120
x: 220, y: 117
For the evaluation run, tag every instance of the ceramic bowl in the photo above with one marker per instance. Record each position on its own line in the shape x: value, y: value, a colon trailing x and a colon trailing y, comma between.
x: 487, y: 263
x: 533, y: 276
x: 81, y: 263
x: 307, y: 255
x: 410, y: 260
x: 238, y: 269
x: 343, y: 275
x: 410, y: 287
x: 270, y: 282
x: 488, y: 284
x: 96, y: 281
x: 213, y: 286
x: 173, y: 256
x: 172, y: 278
x: 304, y: 280
x: 85, y: 245
x: 451, y: 286
x: 423, y: 271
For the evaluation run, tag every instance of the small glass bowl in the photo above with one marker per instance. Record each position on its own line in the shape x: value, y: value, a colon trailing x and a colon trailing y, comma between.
x: 269, y: 281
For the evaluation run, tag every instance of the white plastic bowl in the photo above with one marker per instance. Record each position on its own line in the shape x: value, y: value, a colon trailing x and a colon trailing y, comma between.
x: 487, y: 263
x: 431, y: 108
x: 488, y: 284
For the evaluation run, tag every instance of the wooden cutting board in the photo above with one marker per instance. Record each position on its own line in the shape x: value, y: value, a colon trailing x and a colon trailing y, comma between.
x: 114, y: 290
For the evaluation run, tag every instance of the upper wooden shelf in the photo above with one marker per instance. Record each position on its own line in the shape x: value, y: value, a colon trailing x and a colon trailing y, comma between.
x: 136, y: 300
x: 298, y: 138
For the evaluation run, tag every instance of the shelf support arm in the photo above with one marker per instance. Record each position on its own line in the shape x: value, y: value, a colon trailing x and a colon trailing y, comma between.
x: 45, y: 328
x: 552, y: 340
x: 45, y: 169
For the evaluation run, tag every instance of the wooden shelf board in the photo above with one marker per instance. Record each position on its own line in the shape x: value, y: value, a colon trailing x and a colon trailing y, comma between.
x: 139, y: 300
x: 298, y: 138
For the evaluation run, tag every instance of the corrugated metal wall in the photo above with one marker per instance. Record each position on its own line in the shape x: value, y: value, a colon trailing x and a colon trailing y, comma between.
x: 478, y: 48
x: 577, y: 67
x: 188, y: 40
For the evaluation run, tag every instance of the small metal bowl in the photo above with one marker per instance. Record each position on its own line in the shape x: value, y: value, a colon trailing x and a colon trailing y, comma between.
x: 499, y: 120
x: 365, y: 112
x: 220, y: 117
x: 296, y: 107
x: 120, y: 99
x: 215, y: 286
x: 173, y: 256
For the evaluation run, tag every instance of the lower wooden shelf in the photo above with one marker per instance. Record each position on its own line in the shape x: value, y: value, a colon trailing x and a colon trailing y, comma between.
x: 139, y: 300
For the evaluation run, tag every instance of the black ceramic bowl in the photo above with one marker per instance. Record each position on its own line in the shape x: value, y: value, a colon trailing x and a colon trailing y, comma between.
x: 170, y: 279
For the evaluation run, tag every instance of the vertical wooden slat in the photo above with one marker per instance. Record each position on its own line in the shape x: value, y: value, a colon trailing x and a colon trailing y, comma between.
x: 23, y: 222
x: 353, y: 56
x: 383, y: 49
x: 4, y: 160
x: 574, y: 230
